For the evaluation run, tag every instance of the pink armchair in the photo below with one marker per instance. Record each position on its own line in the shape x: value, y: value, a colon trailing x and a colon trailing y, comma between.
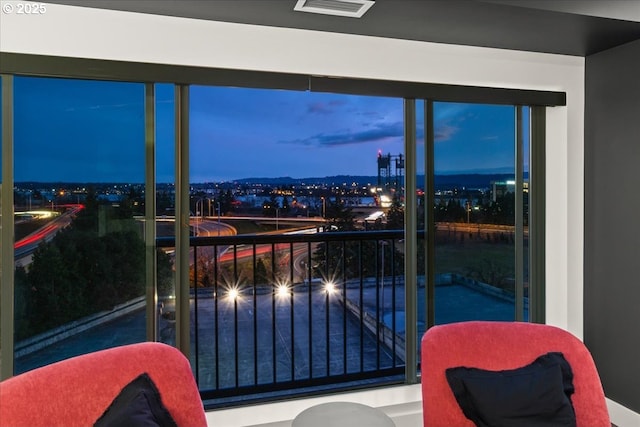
x: 76, y: 391
x: 502, y: 346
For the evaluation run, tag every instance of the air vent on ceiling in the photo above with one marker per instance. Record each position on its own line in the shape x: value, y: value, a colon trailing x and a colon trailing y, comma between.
x: 350, y: 8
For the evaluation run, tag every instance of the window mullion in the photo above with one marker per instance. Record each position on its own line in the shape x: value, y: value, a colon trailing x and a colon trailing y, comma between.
x: 182, y: 219
x: 150, y: 206
x: 7, y: 233
x: 518, y: 210
x: 429, y: 214
x: 411, y: 233
x: 537, y: 206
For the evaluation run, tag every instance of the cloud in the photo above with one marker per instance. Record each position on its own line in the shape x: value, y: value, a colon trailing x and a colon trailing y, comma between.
x: 371, y: 114
x: 102, y: 106
x: 490, y: 138
x: 379, y: 132
x: 324, y: 107
x: 444, y: 132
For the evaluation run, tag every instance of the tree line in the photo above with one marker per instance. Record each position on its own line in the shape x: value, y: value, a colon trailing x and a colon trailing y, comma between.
x: 94, y: 264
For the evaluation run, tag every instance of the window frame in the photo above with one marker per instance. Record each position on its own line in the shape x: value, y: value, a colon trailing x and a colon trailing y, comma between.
x: 183, y: 77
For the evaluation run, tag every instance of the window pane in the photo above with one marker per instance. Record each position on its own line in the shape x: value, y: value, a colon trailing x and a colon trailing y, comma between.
x: 474, y: 212
x: 165, y: 158
x: 299, y: 308
x: 79, y: 202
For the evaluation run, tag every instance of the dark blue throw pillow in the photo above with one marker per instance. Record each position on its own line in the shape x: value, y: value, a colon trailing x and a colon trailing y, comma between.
x: 535, y: 395
x: 137, y: 405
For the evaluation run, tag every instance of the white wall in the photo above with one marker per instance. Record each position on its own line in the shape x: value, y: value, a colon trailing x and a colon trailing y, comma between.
x: 101, y: 34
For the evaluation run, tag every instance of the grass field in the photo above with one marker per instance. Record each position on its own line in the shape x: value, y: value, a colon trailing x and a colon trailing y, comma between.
x: 488, y: 262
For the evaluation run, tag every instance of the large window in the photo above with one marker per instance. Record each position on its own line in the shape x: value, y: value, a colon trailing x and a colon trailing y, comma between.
x: 78, y: 204
x: 475, y: 212
x: 473, y: 258
x: 276, y: 163
x: 287, y: 241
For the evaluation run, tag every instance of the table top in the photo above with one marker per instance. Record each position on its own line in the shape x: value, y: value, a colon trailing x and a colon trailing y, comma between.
x: 342, y: 414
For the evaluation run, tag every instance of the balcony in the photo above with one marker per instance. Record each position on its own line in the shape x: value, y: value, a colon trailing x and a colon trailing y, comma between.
x: 277, y: 315
x: 271, y: 315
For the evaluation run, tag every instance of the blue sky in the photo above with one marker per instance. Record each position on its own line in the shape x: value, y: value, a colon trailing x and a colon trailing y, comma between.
x: 89, y: 131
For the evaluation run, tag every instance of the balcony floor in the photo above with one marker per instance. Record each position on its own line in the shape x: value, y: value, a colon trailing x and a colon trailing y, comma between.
x: 453, y: 303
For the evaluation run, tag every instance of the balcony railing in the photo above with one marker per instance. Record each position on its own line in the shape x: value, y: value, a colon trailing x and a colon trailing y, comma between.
x: 297, y: 311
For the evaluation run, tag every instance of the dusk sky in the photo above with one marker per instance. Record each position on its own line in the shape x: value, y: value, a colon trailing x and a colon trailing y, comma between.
x: 90, y: 131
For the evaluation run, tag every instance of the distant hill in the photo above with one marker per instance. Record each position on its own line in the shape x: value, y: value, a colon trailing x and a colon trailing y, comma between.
x: 476, y: 180
x: 442, y: 181
x: 286, y: 180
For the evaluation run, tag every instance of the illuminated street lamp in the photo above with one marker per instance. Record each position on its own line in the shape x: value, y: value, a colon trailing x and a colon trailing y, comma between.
x: 199, y: 213
x: 218, y: 203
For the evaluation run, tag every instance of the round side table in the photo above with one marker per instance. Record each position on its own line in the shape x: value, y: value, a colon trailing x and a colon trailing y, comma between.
x: 342, y: 414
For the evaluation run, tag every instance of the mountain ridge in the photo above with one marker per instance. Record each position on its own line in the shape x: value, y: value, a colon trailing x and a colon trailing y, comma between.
x: 462, y: 180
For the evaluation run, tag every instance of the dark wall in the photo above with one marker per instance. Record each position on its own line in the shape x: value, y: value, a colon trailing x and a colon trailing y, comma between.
x: 612, y: 220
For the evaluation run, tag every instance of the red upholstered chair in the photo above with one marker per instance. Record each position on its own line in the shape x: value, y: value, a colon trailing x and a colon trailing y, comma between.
x: 76, y: 391
x: 501, y: 346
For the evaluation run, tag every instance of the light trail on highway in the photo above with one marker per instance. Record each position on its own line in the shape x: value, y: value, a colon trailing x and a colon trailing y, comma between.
x: 29, y: 243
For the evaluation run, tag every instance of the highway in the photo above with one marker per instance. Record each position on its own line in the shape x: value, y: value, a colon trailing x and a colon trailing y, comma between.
x: 24, y: 247
x: 212, y: 226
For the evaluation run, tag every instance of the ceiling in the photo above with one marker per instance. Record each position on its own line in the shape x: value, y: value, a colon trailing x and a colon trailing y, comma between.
x: 571, y: 27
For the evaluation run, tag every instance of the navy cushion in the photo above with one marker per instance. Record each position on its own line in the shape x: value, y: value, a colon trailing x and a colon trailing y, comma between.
x: 535, y: 395
x: 137, y: 405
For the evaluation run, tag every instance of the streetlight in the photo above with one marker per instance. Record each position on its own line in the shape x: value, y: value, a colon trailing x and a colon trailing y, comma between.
x: 199, y: 213
x: 324, y: 212
x: 218, y: 203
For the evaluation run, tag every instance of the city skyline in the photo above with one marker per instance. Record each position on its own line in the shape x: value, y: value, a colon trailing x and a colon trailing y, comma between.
x: 93, y: 131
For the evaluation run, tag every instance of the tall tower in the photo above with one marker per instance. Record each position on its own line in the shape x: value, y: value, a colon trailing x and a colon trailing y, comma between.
x: 391, y: 174
x: 399, y: 175
x: 384, y: 170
